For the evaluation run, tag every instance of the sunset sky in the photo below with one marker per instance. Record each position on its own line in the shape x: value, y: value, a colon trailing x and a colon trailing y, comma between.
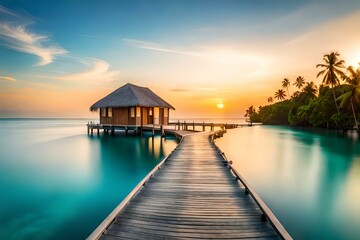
x: 59, y: 57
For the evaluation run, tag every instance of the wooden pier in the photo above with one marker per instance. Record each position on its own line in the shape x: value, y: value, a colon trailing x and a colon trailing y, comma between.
x: 203, y: 126
x: 162, y: 129
x: 194, y: 193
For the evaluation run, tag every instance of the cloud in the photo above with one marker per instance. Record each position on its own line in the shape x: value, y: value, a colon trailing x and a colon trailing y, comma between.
x: 205, y: 29
x: 296, y: 40
x: 87, y: 35
x: 7, y: 12
x: 7, y: 78
x: 192, y: 89
x: 157, y: 47
x: 180, y: 90
x: 99, y: 71
x: 227, y: 55
x: 18, y: 37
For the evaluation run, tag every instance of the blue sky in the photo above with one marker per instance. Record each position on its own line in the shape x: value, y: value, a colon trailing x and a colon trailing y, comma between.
x: 58, y: 57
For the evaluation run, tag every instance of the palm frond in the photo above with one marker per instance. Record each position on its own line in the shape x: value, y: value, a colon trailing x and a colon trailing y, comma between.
x: 345, y: 99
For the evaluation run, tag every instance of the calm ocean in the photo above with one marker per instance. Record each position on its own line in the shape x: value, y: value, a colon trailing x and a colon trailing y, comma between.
x: 310, y: 179
x: 58, y: 183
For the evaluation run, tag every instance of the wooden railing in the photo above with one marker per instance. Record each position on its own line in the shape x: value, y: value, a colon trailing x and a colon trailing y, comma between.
x: 96, y: 234
x: 192, y: 124
x: 267, y: 213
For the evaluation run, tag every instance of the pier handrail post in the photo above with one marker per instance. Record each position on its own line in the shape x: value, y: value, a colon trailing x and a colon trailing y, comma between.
x: 203, y: 126
x: 153, y: 130
x: 193, y: 126
x: 162, y: 130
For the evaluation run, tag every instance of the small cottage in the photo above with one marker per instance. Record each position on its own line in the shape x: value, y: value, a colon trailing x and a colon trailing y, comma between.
x: 134, y: 106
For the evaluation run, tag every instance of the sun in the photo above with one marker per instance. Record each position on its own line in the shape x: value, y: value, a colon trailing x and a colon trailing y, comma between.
x: 220, y: 105
x: 355, y: 61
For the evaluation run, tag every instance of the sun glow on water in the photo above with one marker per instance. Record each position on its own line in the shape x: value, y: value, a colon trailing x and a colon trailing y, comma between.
x: 220, y: 105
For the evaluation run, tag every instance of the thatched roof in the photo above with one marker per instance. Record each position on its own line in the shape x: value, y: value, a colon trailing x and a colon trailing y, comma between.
x: 131, y: 95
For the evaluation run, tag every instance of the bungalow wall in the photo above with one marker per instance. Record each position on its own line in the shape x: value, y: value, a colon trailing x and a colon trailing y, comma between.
x: 134, y: 116
x: 114, y: 116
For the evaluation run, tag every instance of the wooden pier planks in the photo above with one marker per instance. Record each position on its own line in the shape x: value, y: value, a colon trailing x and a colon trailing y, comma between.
x: 193, y: 196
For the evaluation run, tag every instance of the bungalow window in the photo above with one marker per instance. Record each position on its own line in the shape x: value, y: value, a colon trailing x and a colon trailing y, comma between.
x: 150, y: 112
x: 166, y: 112
x: 138, y: 113
x: 132, y: 112
x: 109, y: 112
x: 103, y: 112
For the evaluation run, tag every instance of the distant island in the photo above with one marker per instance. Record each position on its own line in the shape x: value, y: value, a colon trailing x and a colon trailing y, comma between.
x: 332, y: 104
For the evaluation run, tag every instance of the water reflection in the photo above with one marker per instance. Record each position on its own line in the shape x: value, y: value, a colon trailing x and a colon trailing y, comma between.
x: 56, y: 177
x: 309, y: 177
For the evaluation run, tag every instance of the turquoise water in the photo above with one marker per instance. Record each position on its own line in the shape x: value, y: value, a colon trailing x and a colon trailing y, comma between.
x: 310, y: 179
x: 58, y: 183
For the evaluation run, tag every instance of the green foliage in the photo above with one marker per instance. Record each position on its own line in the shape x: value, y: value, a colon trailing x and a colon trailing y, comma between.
x: 255, y: 117
x: 343, y: 119
x: 322, y: 109
x: 276, y: 113
x: 307, y: 109
x: 331, y: 105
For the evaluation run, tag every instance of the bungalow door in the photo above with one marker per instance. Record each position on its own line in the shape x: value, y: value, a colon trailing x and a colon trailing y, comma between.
x: 145, y: 116
x: 161, y: 116
x: 151, y: 117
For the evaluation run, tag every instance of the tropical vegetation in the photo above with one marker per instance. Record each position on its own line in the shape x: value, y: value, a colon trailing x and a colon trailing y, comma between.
x: 335, y: 103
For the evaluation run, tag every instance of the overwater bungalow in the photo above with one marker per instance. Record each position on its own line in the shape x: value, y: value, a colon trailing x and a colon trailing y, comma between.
x: 132, y: 105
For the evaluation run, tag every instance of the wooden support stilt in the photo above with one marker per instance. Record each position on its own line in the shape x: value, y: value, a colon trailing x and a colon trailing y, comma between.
x: 98, y: 131
x: 126, y: 131
x: 92, y: 131
x: 88, y: 129
x: 112, y: 131
x: 203, y: 127
x: 162, y: 132
x: 193, y: 126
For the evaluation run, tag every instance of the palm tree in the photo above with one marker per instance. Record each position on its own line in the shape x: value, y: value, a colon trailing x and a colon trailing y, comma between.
x: 295, y: 94
x: 286, y: 84
x: 299, y: 82
x: 332, y: 72
x: 323, y: 89
x: 310, y: 90
x: 353, y: 94
x: 280, y: 94
x: 354, y: 76
x: 249, y: 112
x: 270, y: 100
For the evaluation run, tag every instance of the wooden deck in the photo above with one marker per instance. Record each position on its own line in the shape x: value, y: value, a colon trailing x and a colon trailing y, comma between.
x: 191, y: 195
